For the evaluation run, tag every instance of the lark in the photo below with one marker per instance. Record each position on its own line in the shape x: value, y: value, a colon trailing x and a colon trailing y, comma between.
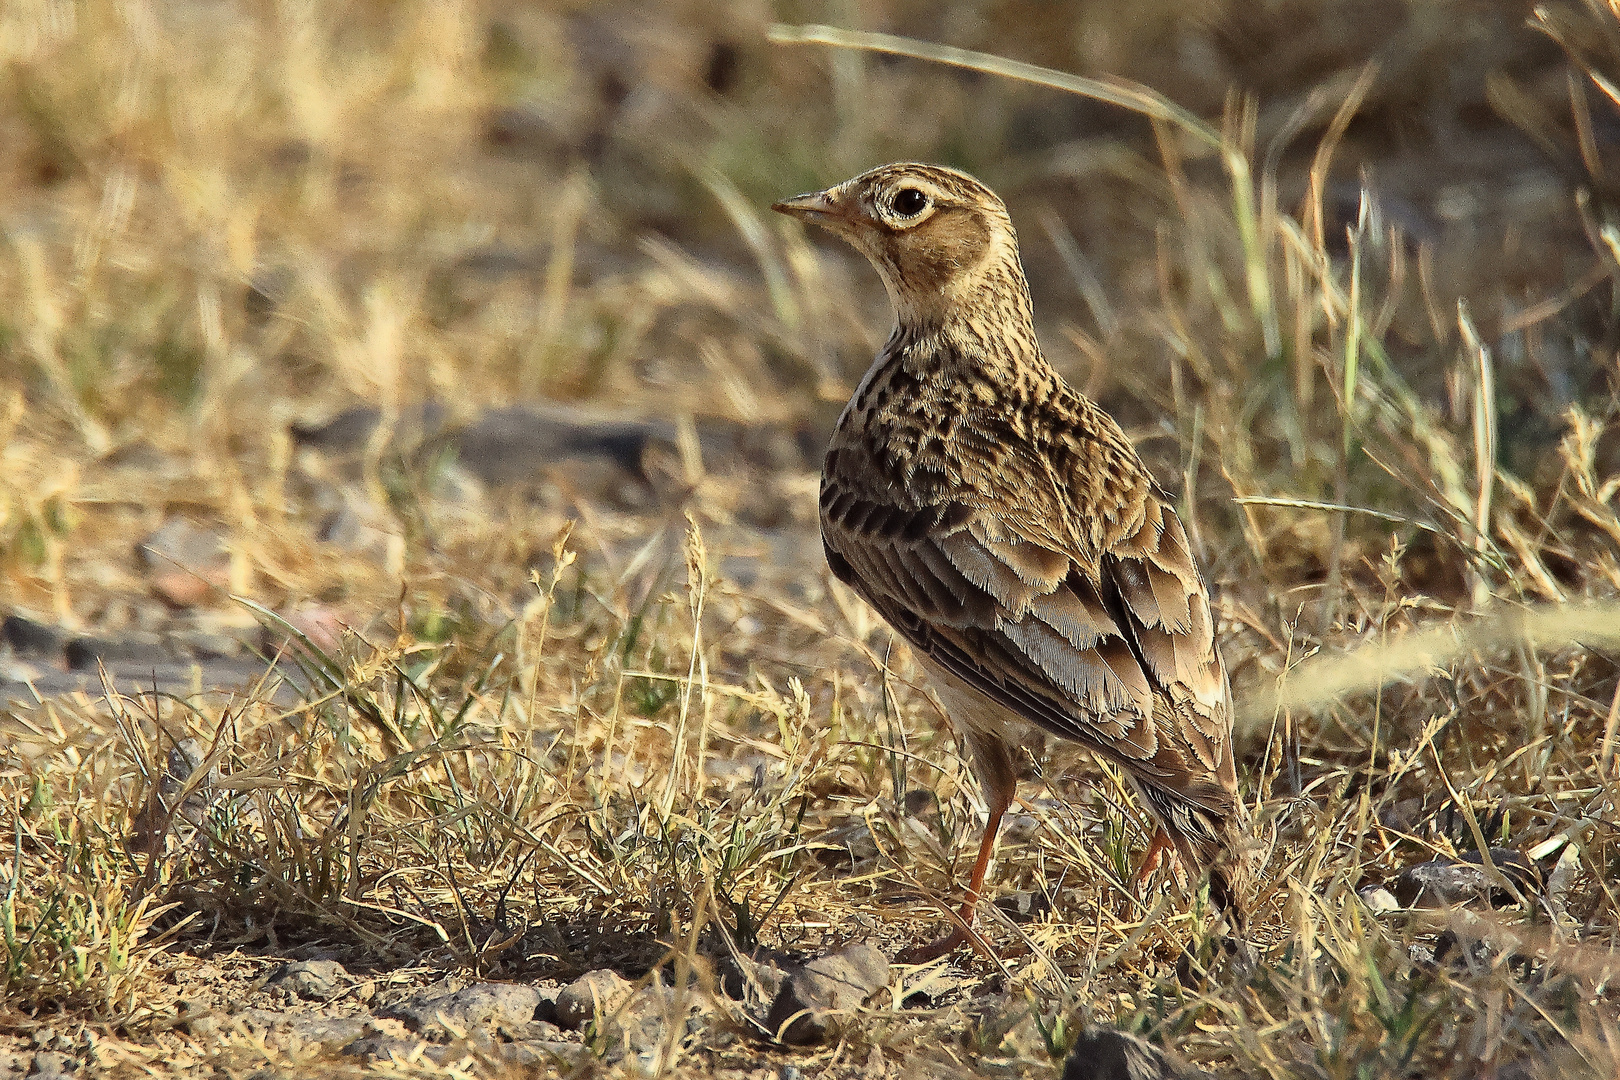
x: 1006, y: 528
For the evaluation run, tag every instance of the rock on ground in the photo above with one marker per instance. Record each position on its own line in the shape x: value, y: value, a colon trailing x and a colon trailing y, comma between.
x: 440, y: 1016
x: 838, y: 981
x: 1107, y: 1054
x: 311, y: 980
x: 641, y: 1026
x: 1443, y: 882
x: 593, y: 994
x: 293, y: 1031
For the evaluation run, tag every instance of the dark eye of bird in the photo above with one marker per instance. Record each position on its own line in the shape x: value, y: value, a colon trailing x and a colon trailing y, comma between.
x: 909, y: 202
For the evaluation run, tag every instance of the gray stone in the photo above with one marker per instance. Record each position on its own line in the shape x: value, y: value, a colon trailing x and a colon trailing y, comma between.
x: 1463, y: 947
x: 205, y: 645
x: 589, y: 996
x: 396, y: 997
x: 1403, y: 816
x: 1438, y: 882
x: 304, y: 628
x: 838, y: 981
x: 51, y: 1063
x: 546, y: 1010
x: 29, y: 638
x: 220, y: 681
x: 1107, y: 1054
x: 293, y: 1030
x: 846, y: 848
x: 311, y: 980
x: 1023, y: 907
x: 938, y: 987
x: 13, y: 670
x: 754, y: 978
x: 186, y: 564
x: 350, y: 432
x: 545, y: 1052
x: 638, y: 1029
x: 184, y: 542
x: 440, y: 1016
x: 499, y: 261
x: 1378, y: 899
x: 922, y: 804
x: 533, y: 1031
x: 329, y: 1031
x: 346, y: 432
x: 1441, y: 882
x: 198, y: 1021
x: 356, y: 526
x: 85, y: 653
x: 509, y: 445
x: 383, y: 1046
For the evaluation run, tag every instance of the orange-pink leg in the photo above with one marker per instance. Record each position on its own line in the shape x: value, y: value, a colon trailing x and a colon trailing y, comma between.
x: 997, y: 776
x: 1160, y: 848
x: 963, y: 933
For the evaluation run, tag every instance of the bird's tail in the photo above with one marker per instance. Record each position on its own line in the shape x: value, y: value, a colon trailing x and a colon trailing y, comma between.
x: 1230, y: 860
x: 1215, y: 840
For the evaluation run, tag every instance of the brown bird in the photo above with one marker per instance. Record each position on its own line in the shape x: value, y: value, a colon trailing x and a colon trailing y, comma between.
x: 1006, y: 528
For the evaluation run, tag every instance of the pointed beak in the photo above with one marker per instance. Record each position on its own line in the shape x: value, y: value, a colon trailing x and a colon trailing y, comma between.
x: 821, y: 207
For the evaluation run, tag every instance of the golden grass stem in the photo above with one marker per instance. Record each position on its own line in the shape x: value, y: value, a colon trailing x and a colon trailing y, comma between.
x: 1122, y: 92
x: 1606, y: 753
x: 1484, y: 417
x: 569, y: 210
x: 1327, y: 678
x: 697, y: 584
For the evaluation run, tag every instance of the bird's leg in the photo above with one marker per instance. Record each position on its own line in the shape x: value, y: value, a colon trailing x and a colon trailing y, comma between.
x: 993, y: 763
x: 1150, y: 862
x: 963, y: 933
x: 1161, y: 852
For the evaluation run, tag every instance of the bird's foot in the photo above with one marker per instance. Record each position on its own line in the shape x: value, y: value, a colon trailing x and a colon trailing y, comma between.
x: 925, y: 954
x: 963, y: 934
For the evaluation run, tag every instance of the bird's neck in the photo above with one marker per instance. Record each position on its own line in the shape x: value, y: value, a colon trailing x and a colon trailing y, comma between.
x: 985, y: 332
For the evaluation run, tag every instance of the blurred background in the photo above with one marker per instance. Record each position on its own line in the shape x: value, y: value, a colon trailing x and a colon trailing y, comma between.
x: 457, y: 338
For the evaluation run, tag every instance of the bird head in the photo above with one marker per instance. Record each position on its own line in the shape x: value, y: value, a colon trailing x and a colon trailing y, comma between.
x: 935, y: 235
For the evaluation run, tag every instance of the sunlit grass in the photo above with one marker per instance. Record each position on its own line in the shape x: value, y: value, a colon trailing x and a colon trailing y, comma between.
x: 556, y: 720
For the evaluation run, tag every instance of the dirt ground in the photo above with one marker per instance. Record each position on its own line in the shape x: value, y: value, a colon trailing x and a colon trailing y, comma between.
x: 418, y: 656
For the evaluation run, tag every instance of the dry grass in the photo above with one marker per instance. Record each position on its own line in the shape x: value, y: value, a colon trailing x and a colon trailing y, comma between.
x: 562, y: 733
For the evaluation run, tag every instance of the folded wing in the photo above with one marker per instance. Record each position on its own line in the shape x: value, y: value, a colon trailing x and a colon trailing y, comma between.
x: 1111, y: 649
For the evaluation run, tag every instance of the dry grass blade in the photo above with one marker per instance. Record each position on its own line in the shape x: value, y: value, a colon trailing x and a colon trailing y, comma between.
x: 1324, y: 680
x: 1127, y: 95
x: 424, y: 333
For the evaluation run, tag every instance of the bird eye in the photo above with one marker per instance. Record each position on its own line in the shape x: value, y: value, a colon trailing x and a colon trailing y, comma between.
x: 909, y: 202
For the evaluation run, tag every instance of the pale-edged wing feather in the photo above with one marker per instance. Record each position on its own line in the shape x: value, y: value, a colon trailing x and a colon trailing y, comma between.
x: 1120, y: 659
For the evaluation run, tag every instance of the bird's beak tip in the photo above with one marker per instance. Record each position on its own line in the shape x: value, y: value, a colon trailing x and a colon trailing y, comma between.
x: 815, y: 206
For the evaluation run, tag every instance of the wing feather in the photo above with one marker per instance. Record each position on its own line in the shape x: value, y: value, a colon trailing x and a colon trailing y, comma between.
x: 977, y: 563
x: 1111, y: 648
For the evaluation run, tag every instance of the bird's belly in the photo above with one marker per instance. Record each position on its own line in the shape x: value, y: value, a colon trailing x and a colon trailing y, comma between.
x: 975, y: 714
